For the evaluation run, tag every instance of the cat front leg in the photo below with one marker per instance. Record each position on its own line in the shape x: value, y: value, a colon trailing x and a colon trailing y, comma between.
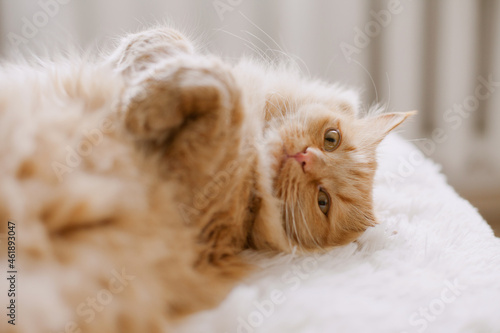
x: 175, y: 98
x: 189, y: 107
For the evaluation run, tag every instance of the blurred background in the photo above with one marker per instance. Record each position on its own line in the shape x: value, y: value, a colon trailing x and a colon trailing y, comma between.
x: 439, y: 57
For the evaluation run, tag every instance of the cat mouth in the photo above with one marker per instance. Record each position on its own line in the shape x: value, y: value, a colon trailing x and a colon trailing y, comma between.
x: 282, y: 158
x: 285, y: 157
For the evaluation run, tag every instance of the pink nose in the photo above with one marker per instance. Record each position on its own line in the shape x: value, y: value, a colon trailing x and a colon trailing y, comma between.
x: 305, y: 159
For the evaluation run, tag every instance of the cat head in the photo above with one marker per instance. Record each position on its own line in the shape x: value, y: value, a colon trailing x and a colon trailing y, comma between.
x: 324, y: 162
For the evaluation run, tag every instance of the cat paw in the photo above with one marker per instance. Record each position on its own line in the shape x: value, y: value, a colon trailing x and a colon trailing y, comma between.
x: 180, y: 94
x: 137, y: 52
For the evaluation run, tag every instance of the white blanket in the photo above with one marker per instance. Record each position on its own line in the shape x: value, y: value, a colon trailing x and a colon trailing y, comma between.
x: 431, y: 265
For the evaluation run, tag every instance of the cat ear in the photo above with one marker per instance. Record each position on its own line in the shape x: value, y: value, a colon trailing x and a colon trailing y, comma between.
x: 386, y: 122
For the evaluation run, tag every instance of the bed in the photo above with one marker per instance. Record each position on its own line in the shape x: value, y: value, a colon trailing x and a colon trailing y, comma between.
x: 432, y: 264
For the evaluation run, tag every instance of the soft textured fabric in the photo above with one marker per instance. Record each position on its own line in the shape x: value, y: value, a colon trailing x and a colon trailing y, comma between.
x: 432, y: 264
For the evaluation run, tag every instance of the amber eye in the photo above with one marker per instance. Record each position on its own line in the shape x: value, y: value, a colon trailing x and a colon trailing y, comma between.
x: 332, y: 139
x: 323, y: 201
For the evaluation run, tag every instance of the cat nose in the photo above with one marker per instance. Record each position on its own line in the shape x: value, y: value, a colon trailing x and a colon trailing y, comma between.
x: 305, y: 159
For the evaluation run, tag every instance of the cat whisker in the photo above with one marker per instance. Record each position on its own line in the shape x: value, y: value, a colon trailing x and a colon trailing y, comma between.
x: 290, y: 216
x: 294, y: 60
x: 281, y: 53
x: 307, y: 226
x: 297, y: 235
x: 265, y: 33
x: 251, y: 46
x: 290, y: 237
x: 273, y: 60
x: 281, y: 49
x: 287, y: 226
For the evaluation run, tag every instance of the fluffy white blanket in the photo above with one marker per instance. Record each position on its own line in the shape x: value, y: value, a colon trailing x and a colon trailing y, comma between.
x: 431, y: 265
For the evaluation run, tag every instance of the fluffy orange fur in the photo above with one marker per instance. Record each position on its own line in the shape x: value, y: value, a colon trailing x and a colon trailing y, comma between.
x: 154, y: 169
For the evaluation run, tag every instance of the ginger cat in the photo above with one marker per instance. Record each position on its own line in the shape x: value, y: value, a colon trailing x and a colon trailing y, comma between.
x: 136, y: 181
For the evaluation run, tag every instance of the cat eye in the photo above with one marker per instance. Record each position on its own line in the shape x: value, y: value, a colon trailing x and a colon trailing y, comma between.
x: 332, y: 139
x: 323, y: 201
